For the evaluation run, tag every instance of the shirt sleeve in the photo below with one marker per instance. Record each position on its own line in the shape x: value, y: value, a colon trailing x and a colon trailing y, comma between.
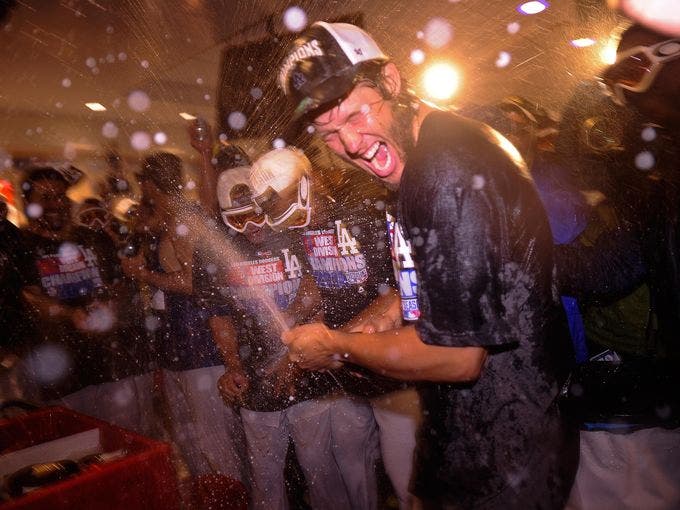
x: 456, y: 226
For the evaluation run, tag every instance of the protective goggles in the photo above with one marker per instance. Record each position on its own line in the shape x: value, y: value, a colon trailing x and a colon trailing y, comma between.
x: 238, y: 218
x: 93, y: 217
x: 636, y: 68
x: 295, y: 215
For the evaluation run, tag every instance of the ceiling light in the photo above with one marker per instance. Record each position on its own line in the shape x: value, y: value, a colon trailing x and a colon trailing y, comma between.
x: 533, y: 7
x: 441, y: 81
x: 187, y: 116
x: 96, y: 107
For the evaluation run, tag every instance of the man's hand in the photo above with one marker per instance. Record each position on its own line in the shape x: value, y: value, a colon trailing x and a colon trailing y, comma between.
x: 233, y: 386
x: 313, y: 346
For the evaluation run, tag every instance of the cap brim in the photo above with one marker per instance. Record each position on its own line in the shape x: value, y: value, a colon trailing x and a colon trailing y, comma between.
x: 332, y: 88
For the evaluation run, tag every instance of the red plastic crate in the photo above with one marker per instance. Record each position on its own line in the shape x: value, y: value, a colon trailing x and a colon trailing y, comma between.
x: 142, y: 480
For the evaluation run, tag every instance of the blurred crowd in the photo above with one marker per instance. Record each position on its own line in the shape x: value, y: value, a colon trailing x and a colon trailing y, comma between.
x: 163, y: 314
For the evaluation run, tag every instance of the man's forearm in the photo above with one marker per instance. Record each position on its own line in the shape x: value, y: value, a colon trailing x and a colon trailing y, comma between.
x: 401, y: 354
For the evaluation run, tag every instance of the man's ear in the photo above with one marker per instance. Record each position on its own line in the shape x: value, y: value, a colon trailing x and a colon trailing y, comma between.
x: 392, y: 79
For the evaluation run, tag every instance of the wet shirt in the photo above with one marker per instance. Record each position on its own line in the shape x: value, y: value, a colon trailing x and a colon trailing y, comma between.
x: 482, y: 250
x: 347, y: 250
x: 254, y: 287
x: 81, y: 271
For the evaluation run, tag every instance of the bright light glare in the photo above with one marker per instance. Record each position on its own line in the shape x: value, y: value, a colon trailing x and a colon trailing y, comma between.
x: 441, y: 81
x: 533, y: 7
x: 583, y: 42
x: 96, y: 107
x: 187, y: 116
x: 608, y: 53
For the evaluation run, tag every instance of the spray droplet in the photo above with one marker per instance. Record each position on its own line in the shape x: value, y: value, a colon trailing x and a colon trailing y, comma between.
x: 140, y: 140
x: 648, y: 134
x: 236, y: 121
x: 295, y: 19
x: 513, y: 27
x: 438, y: 32
x: 644, y: 160
x: 417, y: 56
x: 182, y: 230
x: 109, y: 130
x: 279, y: 143
x: 139, y: 101
x: 478, y: 182
x: 34, y: 210
x: 91, y: 62
x: 160, y: 138
x: 503, y: 59
x: 66, y: 83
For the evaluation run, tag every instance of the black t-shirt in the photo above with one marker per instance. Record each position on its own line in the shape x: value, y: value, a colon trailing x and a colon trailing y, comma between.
x: 252, y: 287
x: 81, y: 270
x: 482, y: 249
x: 346, y: 247
x: 11, y: 324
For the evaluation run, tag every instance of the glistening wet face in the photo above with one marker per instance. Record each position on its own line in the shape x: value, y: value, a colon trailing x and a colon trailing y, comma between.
x: 362, y: 130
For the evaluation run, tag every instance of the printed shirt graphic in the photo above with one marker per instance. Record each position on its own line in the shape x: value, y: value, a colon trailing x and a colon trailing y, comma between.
x: 71, y: 273
x: 404, y: 269
x: 335, y: 257
x: 274, y: 275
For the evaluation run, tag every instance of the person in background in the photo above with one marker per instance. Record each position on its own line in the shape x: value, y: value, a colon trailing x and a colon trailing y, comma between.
x: 341, y: 229
x: 490, y: 344
x: 207, y: 432
x: 11, y: 324
x: 84, y: 351
x: 259, y: 285
x: 624, y: 268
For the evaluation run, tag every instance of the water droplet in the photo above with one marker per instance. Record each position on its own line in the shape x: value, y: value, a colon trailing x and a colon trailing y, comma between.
x: 236, y: 121
x: 160, y: 138
x: 644, y: 160
x: 122, y: 56
x: 144, y: 64
x: 279, y: 143
x: 256, y: 93
x: 478, y: 182
x: 513, y: 27
x: 417, y: 56
x: 140, y: 140
x: 295, y: 19
x: 34, y: 210
x: 139, y: 101
x: 503, y: 59
x: 109, y: 130
x: 66, y: 83
x: 91, y: 62
x: 191, y: 185
x: 438, y: 32
x: 648, y: 134
x: 68, y: 253
x: 182, y: 230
